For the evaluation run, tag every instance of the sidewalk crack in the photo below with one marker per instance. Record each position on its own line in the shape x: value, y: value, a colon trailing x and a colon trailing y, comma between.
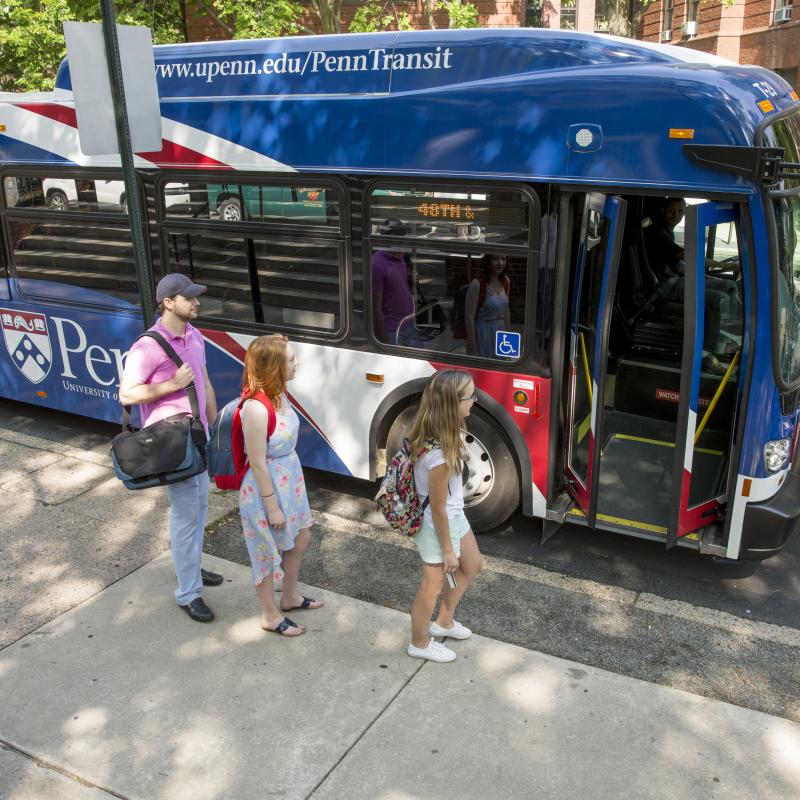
x: 60, y: 770
x: 365, y: 731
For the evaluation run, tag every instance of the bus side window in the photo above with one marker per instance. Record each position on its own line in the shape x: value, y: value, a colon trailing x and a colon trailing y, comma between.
x: 269, y: 253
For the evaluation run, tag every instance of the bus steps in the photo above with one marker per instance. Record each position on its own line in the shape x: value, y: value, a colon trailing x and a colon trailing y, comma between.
x: 555, y: 516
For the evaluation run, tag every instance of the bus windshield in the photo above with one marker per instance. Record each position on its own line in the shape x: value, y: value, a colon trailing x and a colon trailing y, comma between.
x: 786, y: 210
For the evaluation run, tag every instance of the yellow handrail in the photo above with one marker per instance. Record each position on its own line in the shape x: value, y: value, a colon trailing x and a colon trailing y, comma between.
x: 585, y: 366
x: 722, y: 384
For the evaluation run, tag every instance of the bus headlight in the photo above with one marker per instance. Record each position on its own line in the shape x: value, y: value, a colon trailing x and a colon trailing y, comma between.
x: 776, y: 454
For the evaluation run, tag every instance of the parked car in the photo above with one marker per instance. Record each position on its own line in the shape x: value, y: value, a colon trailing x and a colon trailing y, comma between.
x: 63, y: 193
x: 265, y: 200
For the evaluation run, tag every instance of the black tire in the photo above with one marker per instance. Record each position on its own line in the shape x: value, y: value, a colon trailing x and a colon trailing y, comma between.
x: 230, y: 210
x: 57, y: 200
x: 491, y: 483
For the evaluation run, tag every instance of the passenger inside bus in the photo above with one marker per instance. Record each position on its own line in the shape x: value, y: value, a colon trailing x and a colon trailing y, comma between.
x: 486, y: 304
x: 666, y: 259
x: 392, y: 292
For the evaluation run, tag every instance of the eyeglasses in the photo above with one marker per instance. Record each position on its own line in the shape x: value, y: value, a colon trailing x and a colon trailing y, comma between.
x: 473, y: 397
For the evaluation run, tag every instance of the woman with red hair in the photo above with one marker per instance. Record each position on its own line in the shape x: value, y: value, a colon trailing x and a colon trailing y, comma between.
x: 276, y: 518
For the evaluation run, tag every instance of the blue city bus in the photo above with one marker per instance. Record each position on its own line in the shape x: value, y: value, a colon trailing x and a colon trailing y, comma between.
x: 613, y: 392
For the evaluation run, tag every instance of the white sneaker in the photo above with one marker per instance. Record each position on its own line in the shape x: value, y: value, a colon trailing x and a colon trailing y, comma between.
x: 458, y: 631
x: 433, y: 652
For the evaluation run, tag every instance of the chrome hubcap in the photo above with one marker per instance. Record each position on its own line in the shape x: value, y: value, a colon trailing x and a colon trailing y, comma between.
x: 478, y: 471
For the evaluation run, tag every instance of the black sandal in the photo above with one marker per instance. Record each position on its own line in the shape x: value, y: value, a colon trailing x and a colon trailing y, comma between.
x: 305, y: 604
x: 283, y: 626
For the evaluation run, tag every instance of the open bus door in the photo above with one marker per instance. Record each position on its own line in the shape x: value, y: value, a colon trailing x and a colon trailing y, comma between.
x: 592, y: 300
x: 704, y: 436
x: 650, y: 428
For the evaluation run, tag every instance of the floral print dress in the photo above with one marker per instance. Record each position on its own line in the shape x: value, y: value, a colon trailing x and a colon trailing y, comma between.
x: 491, y: 317
x: 264, y: 544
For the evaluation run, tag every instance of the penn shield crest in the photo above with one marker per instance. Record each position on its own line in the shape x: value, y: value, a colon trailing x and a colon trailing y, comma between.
x: 27, y: 342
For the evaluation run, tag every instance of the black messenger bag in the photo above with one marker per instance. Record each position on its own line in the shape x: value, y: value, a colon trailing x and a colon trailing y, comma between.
x: 165, y: 452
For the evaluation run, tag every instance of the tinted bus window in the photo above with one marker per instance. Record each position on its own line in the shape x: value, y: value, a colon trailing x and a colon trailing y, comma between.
x: 228, y: 202
x: 786, y: 208
x: 66, y: 194
x: 495, y: 218
x: 449, y: 270
x: 22, y: 192
x: 421, y: 299
x: 283, y: 283
x: 787, y: 222
x: 85, y: 262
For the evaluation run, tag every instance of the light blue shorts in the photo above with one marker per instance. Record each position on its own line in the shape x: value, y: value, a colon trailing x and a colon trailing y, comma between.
x: 430, y: 551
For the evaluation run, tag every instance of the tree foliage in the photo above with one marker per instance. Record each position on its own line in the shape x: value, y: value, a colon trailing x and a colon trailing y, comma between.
x: 460, y: 13
x: 255, y: 19
x: 31, y: 43
x: 374, y: 16
x: 32, y: 37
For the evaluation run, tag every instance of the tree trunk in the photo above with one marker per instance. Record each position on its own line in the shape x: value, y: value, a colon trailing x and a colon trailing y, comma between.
x: 619, y: 17
x: 429, y: 9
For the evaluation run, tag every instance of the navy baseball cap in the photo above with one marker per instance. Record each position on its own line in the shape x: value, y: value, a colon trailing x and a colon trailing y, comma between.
x: 175, y: 283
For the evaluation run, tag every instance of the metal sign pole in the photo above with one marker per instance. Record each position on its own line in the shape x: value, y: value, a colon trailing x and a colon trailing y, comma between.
x: 135, y: 216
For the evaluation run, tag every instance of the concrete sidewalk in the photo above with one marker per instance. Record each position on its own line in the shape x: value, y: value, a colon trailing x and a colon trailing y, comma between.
x: 121, y: 694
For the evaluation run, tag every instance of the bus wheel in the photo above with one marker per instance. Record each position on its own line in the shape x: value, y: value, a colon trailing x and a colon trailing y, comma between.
x: 491, y: 485
x: 230, y: 210
x: 57, y: 200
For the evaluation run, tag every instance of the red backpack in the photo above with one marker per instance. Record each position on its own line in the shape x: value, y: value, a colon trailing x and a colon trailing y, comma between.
x: 225, y: 456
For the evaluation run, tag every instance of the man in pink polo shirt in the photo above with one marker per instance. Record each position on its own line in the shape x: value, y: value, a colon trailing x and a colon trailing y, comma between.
x: 151, y: 380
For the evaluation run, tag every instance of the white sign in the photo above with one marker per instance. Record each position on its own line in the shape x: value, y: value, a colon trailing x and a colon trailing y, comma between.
x: 91, y: 88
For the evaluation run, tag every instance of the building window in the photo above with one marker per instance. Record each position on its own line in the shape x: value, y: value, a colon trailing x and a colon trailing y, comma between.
x: 569, y: 15
x: 534, y: 14
x: 666, y: 27
x: 691, y: 12
x: 783, y: 11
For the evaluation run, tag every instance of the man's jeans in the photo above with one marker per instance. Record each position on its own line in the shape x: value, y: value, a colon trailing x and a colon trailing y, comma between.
x: 187, y: 522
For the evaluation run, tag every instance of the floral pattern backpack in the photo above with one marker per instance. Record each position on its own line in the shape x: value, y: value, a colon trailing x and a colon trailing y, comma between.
x: 397, y: 498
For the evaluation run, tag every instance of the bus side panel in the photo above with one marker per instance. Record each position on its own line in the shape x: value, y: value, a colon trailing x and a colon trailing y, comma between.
x: 63, y: 358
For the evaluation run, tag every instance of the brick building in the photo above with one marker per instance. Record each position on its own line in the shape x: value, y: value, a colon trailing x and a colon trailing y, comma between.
x: 763, y: 32
x: 492, y: 14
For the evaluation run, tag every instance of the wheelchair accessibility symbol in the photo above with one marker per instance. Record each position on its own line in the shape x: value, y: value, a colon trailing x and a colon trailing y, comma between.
x: 506, y: 344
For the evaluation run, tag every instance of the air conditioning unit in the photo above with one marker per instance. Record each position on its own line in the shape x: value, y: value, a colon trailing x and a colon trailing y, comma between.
x: 783, y: 14
x: 666, y: 36
x: 689, y: 29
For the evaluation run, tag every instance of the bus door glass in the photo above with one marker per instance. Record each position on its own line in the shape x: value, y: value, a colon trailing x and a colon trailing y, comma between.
x: 712, y: 353
x: 592, y: 299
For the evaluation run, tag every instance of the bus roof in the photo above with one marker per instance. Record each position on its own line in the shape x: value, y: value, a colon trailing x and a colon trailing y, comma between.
x: 485, y: 102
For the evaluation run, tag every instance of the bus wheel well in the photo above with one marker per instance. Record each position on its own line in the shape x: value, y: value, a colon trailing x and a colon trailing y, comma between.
x: 492, y: 477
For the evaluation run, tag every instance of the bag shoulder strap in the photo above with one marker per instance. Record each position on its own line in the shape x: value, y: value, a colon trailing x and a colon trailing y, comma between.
x: 272, y: 417
x: 191, y: 391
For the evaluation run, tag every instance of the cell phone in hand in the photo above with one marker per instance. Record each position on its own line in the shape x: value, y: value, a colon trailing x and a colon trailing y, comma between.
x: 451, y: 580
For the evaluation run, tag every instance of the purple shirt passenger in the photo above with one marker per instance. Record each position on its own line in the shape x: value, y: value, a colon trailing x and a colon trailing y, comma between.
x: 148, y: 363
x: 390, y: 277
